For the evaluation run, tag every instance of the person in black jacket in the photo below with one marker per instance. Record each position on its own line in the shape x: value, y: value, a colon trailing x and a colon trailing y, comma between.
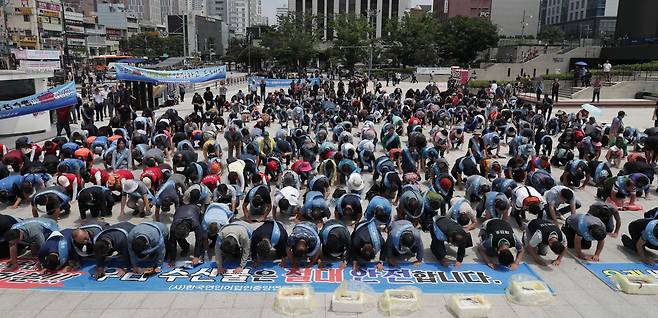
x: 6, y: 221
x: 268, y: 243
x: 445, y: 230
x: 186, y: 219
x: 97, y: 199
x: 113, y: 239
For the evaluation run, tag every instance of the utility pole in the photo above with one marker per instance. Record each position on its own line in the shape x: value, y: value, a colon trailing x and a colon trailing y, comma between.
x: 371, y: 13
x: 65, y: 46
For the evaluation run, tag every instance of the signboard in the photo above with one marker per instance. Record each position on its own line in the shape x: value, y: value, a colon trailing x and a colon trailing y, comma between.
x: 430, y: 278
x: 605, y: 271
x: 39, y: 65
x: 197, y: 75
x: 49, y: 6
x: 56, y: 97
x: 36, y: 54
x: 433, y: 70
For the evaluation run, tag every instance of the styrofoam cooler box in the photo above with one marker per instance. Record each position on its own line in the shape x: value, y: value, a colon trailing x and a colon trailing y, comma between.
x: 469, y: 306
x: 529, y: 292
x: 636, y: 284
x: 349, y: 301
x: 401, y: 301
x: 294, y: 300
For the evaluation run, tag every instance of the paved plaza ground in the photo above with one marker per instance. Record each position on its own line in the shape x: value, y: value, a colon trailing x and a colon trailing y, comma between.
x: 579, y: 293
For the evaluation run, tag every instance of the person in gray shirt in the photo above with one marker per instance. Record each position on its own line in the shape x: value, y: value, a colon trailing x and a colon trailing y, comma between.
x: 147, y: 241
x: 581, y: 230
x: 32, y: 232
x: 234, y: 239
x: 557, y: 196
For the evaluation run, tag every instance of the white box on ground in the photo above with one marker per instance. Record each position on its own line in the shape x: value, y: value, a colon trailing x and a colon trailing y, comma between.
x: 469, y: 306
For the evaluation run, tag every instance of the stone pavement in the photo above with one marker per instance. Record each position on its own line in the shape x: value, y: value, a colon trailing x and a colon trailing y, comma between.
x: 579, y: 293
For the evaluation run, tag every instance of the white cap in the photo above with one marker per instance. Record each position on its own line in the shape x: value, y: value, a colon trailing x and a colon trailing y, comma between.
x: 355, y: 182
x: 63, y: 181
x: 129, y: 186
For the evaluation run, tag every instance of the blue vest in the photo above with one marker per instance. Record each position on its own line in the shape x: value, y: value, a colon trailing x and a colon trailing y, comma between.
x: 324, y: 233
x: 437, y: 231
x: 395, y: 235
x: 454, y: 209
x: 308, y: 230
x: 78, y: 250
x: 648, y: 235
x: 216, y: 213
x: 161, y: 239
x: 373, y: 232
x: 62, y: 246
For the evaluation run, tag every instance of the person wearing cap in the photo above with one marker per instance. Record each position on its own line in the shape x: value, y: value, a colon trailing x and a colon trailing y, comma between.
x: 497, y: 239
x: 55, y: 201
x: 233, y: 241
x: 355, y: 183
x: 69, y: 181
x: 257, y: 203
x: 557, y: 196
x: 268, y: 242
x: 97, y: 199
x: 136, y: 196
x: 109, y: 241
x: 286, y: 200
x: 349, y: 208
x: 30, y: 232
x: 186, y: 219
x: 527, y: 199
x: 642, y: 234
x: 147, y: 242
x: 402, y: 243
x: 581, y: 230
x: 539, y: 236
x: 335, y: 238
x: 541, y: 180
x: 303, y: 243
x: 445, y: 230
x: 495, y: 205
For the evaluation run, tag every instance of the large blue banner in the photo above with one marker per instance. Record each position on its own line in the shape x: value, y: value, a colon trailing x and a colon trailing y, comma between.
x: 56, y: 97
x: 605, y: 271
x: 268, y: 277
x: 198, y: 75
x: 278, y: 82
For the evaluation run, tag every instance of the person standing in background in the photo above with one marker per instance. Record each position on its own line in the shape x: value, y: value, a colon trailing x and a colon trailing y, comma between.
x: 181, y: 91
x: 555, y: 90
x: 596, y: 93
x: 607, y: 68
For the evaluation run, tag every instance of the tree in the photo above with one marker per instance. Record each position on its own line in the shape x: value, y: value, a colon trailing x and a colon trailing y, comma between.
x: 551, y: 34
x: 461, y: 38
x: 153, y: 46
x: 293, y: 41
x: 351, y: 41
x: 412, y: 40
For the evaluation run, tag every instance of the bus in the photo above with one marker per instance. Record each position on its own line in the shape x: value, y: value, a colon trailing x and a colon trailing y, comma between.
x: 102, y: 63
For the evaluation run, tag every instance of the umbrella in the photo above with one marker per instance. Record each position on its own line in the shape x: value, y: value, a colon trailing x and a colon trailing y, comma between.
x: 581, y: 63
x: 592, y: 109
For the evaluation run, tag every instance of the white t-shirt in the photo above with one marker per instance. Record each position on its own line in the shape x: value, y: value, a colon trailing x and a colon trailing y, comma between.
x: 520, y: 193
x: 289, y: 193
x: 607, y: 67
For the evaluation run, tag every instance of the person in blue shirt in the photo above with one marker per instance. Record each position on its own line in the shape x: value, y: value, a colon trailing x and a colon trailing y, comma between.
x: 380, y: 210
x: 56, y: 252
x: 147, y: 241
x: 402, y: 243
x: 349, y: 208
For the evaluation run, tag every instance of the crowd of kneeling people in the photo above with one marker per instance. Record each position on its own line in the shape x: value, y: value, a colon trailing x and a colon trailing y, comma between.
x: 332, y: 142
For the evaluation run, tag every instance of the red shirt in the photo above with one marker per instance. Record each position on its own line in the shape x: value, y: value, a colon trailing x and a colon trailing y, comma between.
x: 153, y: 173
x: 104, y: 176
x: 16, y: 156
x: 63, y: 114
x: 124, y: 174
x: 211, y: 181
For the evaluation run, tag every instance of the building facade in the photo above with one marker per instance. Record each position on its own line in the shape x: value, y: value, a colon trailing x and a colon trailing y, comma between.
x: 513, y: 17
x: 204, y: 36
x: 148, y: 11
x: 580, y: 19
x: 96, y: 38
x: 378, y: 11
x: 76, y: 39
x: 444, y: 9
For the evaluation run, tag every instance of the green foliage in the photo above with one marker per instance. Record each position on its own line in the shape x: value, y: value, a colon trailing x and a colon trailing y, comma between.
x: 650, y: 66
x: 153, y: 46
x: 551, y: 34
x: 293, y: 41
x: 412, y: 40
x: 351, y: 41
x: 461, y: 38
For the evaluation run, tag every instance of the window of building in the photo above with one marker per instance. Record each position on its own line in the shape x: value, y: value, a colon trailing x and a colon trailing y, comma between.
x: 26, y: 18
x: 577, y: 5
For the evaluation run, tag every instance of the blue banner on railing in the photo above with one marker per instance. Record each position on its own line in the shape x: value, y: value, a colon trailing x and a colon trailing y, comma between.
x: 197, y: 75
x: 605, y: 271
x: 279, y: 82
x: 56, y: 97
x: 429, y: 277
